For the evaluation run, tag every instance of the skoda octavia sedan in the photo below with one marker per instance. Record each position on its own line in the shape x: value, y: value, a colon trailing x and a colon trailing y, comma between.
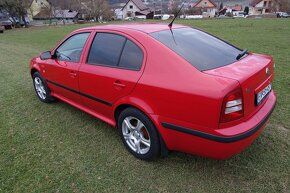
x: 165, y: 89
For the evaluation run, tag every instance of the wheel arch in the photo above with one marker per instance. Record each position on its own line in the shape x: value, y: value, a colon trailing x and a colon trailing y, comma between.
x: 143, y: 107
x: 134, y: 102
x: 33, y: 70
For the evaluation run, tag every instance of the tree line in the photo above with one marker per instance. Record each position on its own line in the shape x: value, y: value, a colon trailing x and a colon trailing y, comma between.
x: 15, y: 9
x: 92, y: 8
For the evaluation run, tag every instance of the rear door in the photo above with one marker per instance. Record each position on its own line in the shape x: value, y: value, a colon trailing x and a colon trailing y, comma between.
x: 114, y: 64
x: 62, y: 71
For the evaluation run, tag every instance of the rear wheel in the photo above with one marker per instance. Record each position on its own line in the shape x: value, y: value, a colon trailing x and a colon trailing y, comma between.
x: 41, y: 88
x: 138, y: 134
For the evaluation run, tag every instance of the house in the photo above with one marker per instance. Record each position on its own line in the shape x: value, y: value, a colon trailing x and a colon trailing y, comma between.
x: 136, y: 8
x: 35, y: 6
x: 258, y: 7
x: 208, y: 8
x: 230, y: 9
x: 66, y: 16
x: 117, y: 9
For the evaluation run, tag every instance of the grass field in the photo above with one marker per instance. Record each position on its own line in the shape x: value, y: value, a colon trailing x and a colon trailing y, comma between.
x: 57, y: 148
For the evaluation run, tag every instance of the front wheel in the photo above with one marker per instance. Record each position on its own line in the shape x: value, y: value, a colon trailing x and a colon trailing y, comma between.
x: 41, y: 88
x: 138, y: 134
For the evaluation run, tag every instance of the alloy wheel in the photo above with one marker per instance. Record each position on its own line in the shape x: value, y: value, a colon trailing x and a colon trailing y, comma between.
x: 39, y: 87
x: 136, y: 135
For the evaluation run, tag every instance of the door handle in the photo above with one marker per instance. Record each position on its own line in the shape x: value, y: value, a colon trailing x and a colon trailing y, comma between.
x: 73, y: 74
x: 119, y: 84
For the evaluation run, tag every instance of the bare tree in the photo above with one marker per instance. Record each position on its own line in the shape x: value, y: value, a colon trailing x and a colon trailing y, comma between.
x: 22, y: 7
x: 175, y: 7
x: 16, y: 8
x: 280, y: 5
x: 284, y: 5
x: 98, y: 8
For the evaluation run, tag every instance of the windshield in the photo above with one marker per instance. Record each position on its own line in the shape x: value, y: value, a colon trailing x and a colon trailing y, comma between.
x: 201, y: 50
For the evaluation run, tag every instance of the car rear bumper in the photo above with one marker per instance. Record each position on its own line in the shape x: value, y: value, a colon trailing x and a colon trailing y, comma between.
x: 218, y: 146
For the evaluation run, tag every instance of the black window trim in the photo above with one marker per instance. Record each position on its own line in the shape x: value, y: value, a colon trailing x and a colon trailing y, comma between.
x: 123, y: 46
x: 121, y: 53
x: 83, y: 32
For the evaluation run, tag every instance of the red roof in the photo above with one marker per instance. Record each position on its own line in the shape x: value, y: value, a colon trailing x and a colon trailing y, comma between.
x: 236, y: 7
x: 208, y: 0
x: 255, y: 2
x: 146, y: 28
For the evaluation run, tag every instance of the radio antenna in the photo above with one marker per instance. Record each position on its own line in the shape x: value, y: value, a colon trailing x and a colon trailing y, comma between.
x: 170, y: 25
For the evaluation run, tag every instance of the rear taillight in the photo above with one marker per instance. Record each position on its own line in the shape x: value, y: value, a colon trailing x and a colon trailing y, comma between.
x: 232, y: 108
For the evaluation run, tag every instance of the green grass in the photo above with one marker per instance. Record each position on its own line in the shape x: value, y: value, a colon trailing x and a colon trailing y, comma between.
x: 57, y: 148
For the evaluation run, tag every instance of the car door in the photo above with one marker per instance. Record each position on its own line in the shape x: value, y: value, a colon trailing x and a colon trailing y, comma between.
x: 114, y: 65
x: 62, y: 71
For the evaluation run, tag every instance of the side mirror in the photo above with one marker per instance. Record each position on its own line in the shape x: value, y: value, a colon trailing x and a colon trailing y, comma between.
x: 45, y: 55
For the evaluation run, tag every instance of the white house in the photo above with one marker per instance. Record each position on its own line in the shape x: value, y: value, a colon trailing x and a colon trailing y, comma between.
x: 135, y: 8
x: 208, y: 8
x: 119, y: 13
x: 258, y: 7
x: 35, y: 6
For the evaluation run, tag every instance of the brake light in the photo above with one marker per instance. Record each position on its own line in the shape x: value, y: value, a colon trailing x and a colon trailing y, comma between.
x: 232, y: 108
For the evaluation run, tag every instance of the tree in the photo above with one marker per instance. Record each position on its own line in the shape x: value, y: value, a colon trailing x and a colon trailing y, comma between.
x: 280, y: 5
x: 174, y: 8
x: 221, y: 6
x: 21, y: 9
x: 98, y: 9
x: 246, y: 10
x: 283, y: 5
x: 16, y: 8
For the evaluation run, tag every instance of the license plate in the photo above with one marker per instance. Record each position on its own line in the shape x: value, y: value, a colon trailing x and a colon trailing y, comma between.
x: 262, y: 94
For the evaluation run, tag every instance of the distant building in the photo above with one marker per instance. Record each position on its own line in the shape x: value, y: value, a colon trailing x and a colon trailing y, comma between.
x: 230, y: 9
x: 117, y: 9
x: 134, y: 8
x: 35, y: 6
x: 258, y: 7
x: 208, y: 8
x: 67, y: 16
x: 119, y: 13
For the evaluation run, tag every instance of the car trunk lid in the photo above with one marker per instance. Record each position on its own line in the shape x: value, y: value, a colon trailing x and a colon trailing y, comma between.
x: 255, y: 74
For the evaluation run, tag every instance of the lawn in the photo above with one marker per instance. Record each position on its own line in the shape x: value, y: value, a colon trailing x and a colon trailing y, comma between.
x: 57, y: 148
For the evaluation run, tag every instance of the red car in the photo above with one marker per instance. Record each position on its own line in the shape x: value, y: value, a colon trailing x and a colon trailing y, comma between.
x: 164, y: 88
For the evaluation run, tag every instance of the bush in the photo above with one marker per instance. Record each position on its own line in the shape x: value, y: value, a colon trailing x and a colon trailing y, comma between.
x: 2, y: 29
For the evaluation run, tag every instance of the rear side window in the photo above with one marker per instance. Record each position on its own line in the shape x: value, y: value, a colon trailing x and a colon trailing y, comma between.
x: 200, y: 49
x: 132, y: 56
x: 106, y: 49
x: 116, y: 51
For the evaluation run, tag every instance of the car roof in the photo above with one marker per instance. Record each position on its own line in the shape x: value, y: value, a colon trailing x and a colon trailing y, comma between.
x: 143, y: 27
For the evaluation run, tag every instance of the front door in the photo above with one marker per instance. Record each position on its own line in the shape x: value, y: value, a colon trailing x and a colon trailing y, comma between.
x: 62, y: 71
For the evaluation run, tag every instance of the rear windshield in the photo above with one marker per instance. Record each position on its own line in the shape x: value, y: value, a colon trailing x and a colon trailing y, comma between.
x: 200, y: 49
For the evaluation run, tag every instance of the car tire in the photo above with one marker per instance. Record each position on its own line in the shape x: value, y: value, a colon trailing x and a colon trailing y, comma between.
x: 138, y: 134
x: 41, y: 88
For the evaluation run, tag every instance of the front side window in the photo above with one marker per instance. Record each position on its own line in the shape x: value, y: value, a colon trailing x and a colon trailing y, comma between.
x: 115, y: 51
x: 72, y: 48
